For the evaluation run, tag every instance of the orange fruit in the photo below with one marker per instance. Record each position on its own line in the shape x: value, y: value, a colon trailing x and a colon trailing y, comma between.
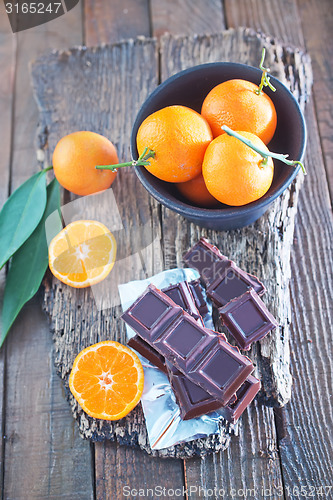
x: 234, y: 173
x: 82, y: 254
x: 75, y: 158
x: 179, y: 137
x: 107, y: 380
x: 235, y: 103
x: 195, y: 191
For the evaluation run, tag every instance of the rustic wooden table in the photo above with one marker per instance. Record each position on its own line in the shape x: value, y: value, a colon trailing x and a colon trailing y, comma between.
x: 281, y: 453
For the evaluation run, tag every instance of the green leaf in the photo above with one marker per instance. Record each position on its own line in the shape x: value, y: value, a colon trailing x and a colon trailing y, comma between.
x: 29, y: 264
x: 20, y: 215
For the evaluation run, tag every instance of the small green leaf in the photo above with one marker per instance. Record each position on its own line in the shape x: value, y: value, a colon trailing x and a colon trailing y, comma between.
x: 20, y: 215
x: 29, y: 264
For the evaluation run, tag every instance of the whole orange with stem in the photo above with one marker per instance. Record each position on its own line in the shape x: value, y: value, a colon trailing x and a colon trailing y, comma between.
x: 178, y: 138
x: 195, y: 191
x: 234, y: 173
x: 237, y: 104
x: 242, y: 105
x: 75, y: 158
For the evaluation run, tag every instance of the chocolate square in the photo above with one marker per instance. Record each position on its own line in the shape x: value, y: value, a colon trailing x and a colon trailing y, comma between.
x: 222, y: 371
x: 182, y: 295
x: 185, y: 341
x: 193, y: 401
x: 151, y: 313
x: 202, y: 256
x: 247, y: 319
x: 231, y: 282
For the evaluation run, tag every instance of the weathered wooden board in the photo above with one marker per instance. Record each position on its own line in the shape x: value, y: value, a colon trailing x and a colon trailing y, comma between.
x: 41, y: 444
x: 317, y: 25
x: 74, y: 318
x: 7, y: 63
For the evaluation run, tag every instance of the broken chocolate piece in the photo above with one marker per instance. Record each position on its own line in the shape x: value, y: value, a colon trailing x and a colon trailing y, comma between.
x: 245, y: 395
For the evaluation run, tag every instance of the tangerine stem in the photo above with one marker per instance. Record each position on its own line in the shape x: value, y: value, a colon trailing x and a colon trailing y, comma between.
x: 265, y: 80
x: 47, y: 168
x: 264, y: 154
x: 142, y: 161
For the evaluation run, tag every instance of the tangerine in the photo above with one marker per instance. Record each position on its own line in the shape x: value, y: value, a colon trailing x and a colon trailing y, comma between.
x: 237, y: 104
x: 107, y: 380
x: 196, y: 192
x: 179, y: 137
x: 234, y: 173
x: 82, y: 254
x: 75, y: 158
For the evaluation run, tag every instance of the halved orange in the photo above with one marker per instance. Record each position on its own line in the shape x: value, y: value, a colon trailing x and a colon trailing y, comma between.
x: 83, y: 253
x: 107, y: 380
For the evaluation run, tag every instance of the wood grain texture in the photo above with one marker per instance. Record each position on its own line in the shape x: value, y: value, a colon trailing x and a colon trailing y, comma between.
x: 186, y: 17
x: 250, y: 465
x: 279, y: 18
x: 42, y: 446
x: 120, y: 470
x: 309, y: 416
x: 108, y: 22
x: 317, y: 25
x: 7, y: 64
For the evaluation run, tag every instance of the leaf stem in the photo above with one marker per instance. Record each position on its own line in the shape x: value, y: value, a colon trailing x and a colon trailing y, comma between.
x: 142, y: 161
x: 265, y: 80
x: 47, y: 168
x: 264, y: 154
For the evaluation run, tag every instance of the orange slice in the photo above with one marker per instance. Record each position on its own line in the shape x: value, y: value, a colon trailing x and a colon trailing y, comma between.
x: 107, y: 380
x: 83, y: 253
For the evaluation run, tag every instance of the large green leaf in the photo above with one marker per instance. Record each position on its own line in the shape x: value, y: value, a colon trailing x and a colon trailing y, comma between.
x: 29, y: 264
x: 20, y: 215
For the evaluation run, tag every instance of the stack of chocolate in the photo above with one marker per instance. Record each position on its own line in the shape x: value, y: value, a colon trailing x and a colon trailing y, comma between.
x: 205, y: 371
x: 234, y: 292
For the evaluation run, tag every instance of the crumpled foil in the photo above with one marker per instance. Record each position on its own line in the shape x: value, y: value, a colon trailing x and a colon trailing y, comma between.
x: 164, y: 426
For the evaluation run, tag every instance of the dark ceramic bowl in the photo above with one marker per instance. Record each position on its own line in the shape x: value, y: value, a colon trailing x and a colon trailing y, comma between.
x: 189, y: 88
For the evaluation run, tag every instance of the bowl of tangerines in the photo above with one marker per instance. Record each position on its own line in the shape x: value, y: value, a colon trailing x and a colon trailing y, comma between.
x: 212, y: 142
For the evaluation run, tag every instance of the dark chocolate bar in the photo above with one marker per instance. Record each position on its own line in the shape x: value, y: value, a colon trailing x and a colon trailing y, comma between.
x: 182, y: 295
x: 247, y: 319
x: 199, y: 299
x: 232, y: 282
x: 245, y: 395
x: 148, y: 352
x: 213, y: 267
x: 206, y: 359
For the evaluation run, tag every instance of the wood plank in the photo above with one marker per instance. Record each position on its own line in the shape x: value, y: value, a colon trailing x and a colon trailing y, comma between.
x: 309, y: 416
x: 317, y: 25
x: 249, y: 468
x: 44, y: 454
x: 108, y: 22
x: 279, y: 19
x: 7, y: 63
x: 186, y: 17
x: 121, y: 471
x: 300, y: 421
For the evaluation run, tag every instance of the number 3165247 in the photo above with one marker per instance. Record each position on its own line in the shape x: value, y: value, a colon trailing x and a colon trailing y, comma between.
x: 32, y: 8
